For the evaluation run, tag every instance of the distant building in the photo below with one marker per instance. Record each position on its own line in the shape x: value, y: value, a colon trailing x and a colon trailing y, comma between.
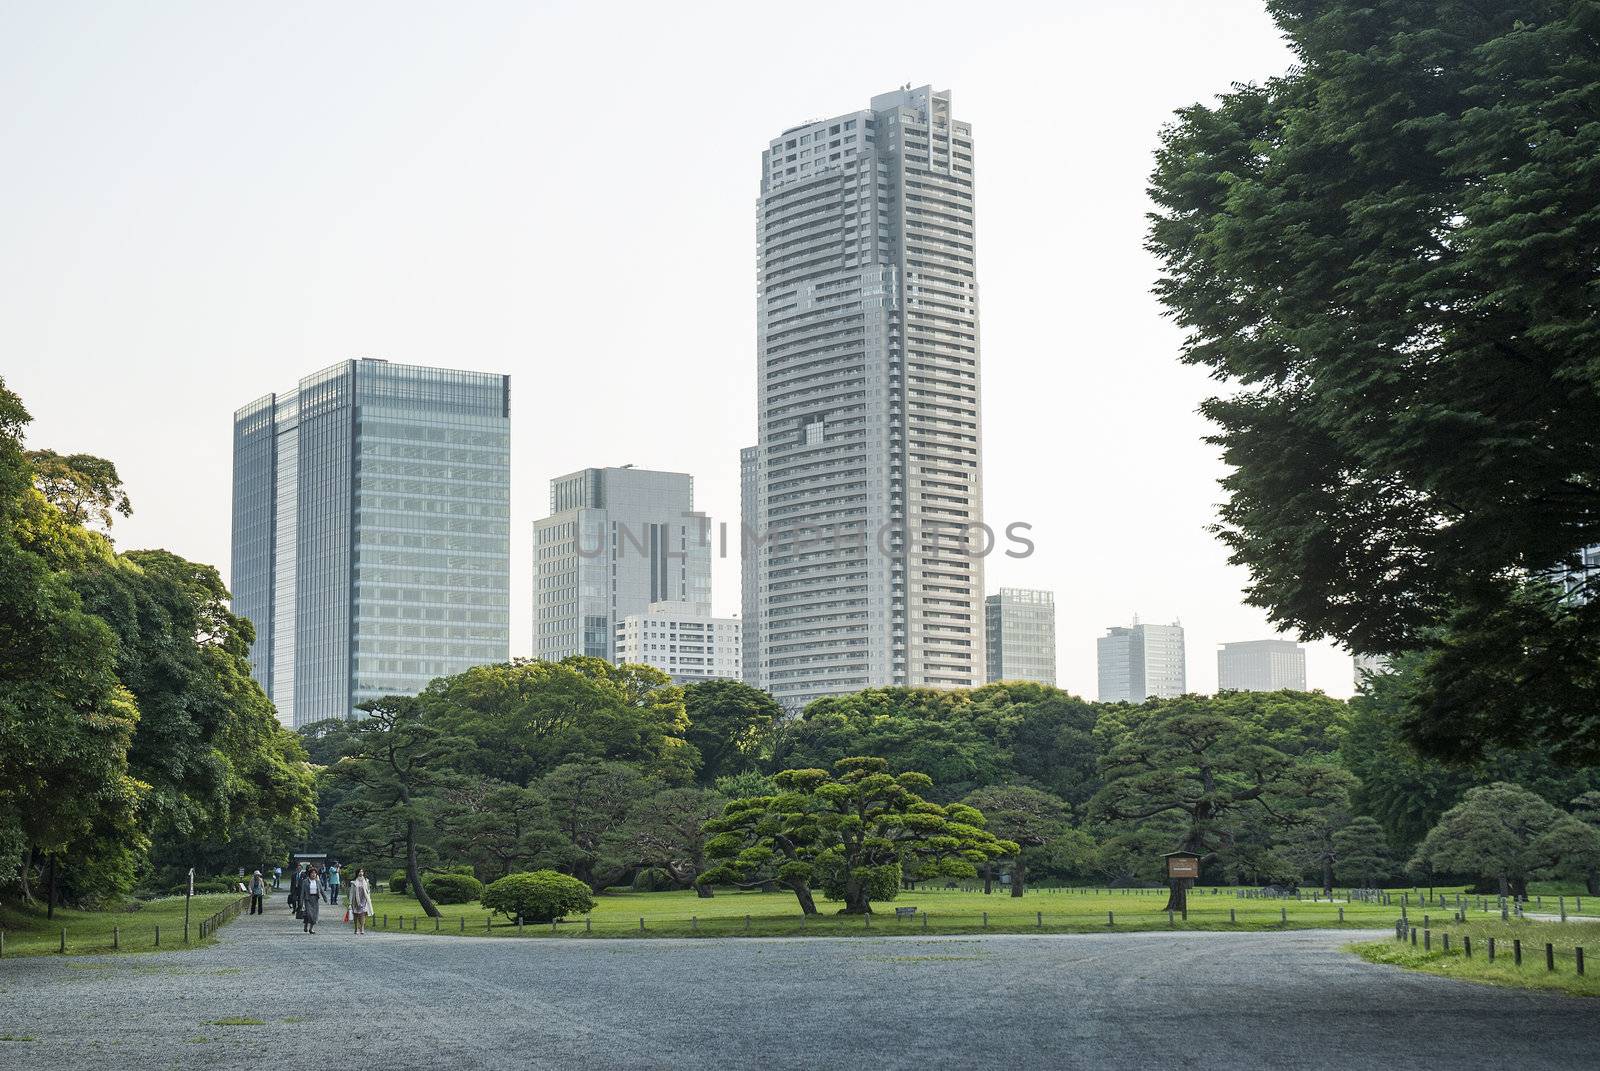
x: 616, y: 540
x: 1368, y: 664
x: 1021, y: 628
x: 869, y: 474
x: 682, y: 640
x: 1261, y: 666
x: 750, y: 563
x: 1140, y: 662
x: 372, y: 533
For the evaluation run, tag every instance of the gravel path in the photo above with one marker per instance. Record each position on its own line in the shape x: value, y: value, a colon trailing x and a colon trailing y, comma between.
x: 395, y: 1001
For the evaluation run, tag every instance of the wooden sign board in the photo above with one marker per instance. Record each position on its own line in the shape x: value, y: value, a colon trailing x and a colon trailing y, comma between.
x: 1183, y: 866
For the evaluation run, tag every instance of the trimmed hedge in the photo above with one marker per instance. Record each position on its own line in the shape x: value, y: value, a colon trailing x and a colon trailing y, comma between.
x: 452, y: 888
x: 539, y: 896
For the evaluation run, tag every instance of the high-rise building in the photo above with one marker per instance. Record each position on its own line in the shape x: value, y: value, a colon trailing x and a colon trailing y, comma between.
x: 1021, y: 628
x: 749, y: 566
x: 372, y: 532
x: 1140, y: 662
x: 616, y: 540
x: 868, y: 474
x: 1261, y: 666
x: 1366, y: 665
x: 683, y: 640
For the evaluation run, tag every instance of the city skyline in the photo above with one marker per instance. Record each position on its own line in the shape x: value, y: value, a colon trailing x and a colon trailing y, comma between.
x: 258, y: 273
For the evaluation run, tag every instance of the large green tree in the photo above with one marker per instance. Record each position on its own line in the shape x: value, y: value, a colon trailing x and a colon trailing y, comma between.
x: 853, y: 832
x: 1498, y: 832
x: 729, y: 723
x: 1197, y: 759
x: 1387, y: 258
x: 1032, y: 820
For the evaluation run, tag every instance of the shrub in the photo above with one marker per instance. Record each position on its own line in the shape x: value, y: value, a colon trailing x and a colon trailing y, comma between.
x: 452, y: 888
x: 397, y: 881
x: 653, y: 879
x: 538, y: 896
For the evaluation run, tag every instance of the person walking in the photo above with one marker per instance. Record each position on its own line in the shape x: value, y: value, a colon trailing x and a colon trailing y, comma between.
x: 258, y: 894
x: 311, y: 900
x: 295, y: 878
x: 277, y: 878
x: 359, y: 900
x: 333, y: 883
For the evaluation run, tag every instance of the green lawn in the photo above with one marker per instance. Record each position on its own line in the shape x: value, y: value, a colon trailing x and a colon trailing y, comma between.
x: 731, y: 913
x: 28, y: 932
x: 1564, y: 938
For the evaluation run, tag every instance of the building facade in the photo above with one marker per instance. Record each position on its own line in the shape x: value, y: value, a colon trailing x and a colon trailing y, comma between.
x: 749, y: 565
x: 1021, y: 635
x: 616, y: 540
x: 868, y: 468
x: 1140, y: 661
x: 371, y: 533
x: 682, y: 640
x: 1261, y: 666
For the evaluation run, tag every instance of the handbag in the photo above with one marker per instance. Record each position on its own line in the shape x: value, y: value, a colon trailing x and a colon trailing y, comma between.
x: 347, y: 914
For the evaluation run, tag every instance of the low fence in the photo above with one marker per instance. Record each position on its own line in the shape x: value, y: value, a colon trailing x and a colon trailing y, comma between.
x: 890, y: 919
x: 1439, y: 943
x: 131, y: 939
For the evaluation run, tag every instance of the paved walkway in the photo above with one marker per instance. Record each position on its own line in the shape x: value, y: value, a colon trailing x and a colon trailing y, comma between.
x: 1265, y: 1000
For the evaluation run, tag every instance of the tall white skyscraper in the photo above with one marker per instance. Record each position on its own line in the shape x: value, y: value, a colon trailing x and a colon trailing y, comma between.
x: 372, y: 533
x: 616, y: 540
x: 868, y: 469
x: 1140, y: 662
x: 1261, y: 666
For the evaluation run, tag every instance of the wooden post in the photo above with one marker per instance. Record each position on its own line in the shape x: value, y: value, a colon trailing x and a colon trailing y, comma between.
x: 1447, y: 942
x: 158, y: 936
x: 63, y: 940
x: 1413, y: 937
x: 1341, y: 914
x: 1516, y: 951
x: 1549, y: 956
x: 1466, y: 945
x: 1577, y: 954
x: 1427, y: 940
x: 1491, y: 950
x: 694, y: 924
x: 436, y: 924
x: 116, y: 938
x: 985, y: 921
x: 463, y: 924
x: 588, y: 924
x: 641, y: 923
x: 747, y: 924
x: 1039, y: 915
x: 1563, y: 902
x: 1111, y: 918
x: 552, y: 925
x: 1170, y: 922
x: 1283, y: 915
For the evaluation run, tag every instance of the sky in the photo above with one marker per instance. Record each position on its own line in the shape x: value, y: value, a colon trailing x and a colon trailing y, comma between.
x: 205, y: 202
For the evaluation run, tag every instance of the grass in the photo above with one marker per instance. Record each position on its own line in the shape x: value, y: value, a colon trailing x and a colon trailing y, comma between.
x: 1532, y: 974
x: 29, y: 933
x: 235, y: 1020
x: 940, y: 911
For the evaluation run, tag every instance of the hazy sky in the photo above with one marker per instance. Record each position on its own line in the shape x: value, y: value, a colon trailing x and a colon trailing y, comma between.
x: 204, y: 202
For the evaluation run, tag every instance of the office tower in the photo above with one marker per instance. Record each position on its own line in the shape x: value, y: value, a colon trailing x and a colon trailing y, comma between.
x: 1261, y: 666
x: 616, y: 540
x: 1140, y: 662
x: 868, y: 466
x: 683, y: 640
x: 1021, y: 627
x: 371, y: 532
x: 1365, y: 665
x: 749, y: 566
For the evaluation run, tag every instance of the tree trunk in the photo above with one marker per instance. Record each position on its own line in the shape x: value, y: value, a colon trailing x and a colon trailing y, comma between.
x: 802, y: 892
x: 413, y: 875
x: 1505, y: 887
x: 23, y: 876
x: 1018, y: 876
x: 1519, y: 887
x: 703, y: 891
x: 1592, y: 881
x: 1178, y: 899
x: 988, y: 879
x: 50, y: 889
x: 1327, y: 875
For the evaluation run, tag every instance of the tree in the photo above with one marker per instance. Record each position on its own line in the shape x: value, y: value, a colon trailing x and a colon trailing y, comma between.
x: 851, y: 832
x: 667, y: 831
x: 499, y: 827
x: 589, y: 800
x: 1029, y: 818
x: 526, y: 718
x: 1386, y: 258
x: 1361, y: 853
x: 1496, y: 832
x: 85, y: 488
x: 1192, y: 758
x: 397, y: 762
x: 1586, y: 808
x: 728, y: 723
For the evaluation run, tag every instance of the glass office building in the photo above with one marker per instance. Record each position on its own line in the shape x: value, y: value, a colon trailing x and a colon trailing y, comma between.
x: 371, y: 533
x: 1021, y: 627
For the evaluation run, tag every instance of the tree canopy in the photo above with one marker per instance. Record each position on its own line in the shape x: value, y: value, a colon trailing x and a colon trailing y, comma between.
x: 1386, y: 256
